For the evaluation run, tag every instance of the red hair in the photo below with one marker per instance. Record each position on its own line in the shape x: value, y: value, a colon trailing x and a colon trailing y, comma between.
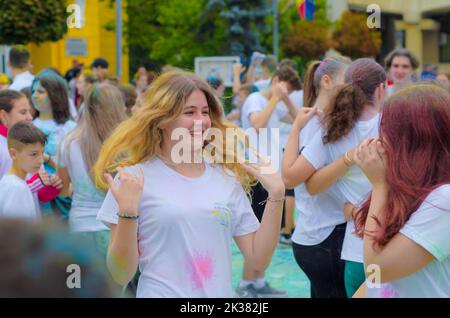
x: 415, y: 131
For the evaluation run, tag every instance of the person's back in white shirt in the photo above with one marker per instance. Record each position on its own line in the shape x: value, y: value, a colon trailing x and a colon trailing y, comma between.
x: 354, y: 186
x: 17, y: 200
x: 21, y: 81
x: 321, y: 213
x: 86, y: 198
x: 263, y: 84
x: 267, y: 143
x: 296, y: 98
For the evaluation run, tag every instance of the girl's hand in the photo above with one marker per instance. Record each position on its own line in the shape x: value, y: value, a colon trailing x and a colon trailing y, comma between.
x: 371, y: 157
x: 304, y: 114
x: 268, y: 177
x: 128, y: 194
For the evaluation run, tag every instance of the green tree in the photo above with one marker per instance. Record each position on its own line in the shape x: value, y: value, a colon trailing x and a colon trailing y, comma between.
x: 304, y: 40
x: 171, y: 32
x: 37, y: 21
x: 353, y: 38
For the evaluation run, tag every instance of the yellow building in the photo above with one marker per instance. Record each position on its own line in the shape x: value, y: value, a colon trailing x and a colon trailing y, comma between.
x: 422, y: 26
x: 84, y: 44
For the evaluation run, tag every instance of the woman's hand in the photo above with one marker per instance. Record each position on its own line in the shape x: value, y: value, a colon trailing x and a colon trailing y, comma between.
x: 304, y: 114
x: 128, y: 194
x: 371, y: 158
x: 267, y: 175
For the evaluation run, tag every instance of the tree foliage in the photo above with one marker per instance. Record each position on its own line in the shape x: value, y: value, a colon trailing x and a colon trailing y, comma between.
x: 171, y: 32
x: 353, y: 38
x: 37, y: 21
x: 304, y: 40
x: 245, y: 22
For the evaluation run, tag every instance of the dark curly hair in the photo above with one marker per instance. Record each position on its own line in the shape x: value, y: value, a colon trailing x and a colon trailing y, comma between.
x: 361, y: 80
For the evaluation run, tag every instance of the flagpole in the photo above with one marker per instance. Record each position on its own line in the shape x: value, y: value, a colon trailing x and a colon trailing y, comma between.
x: 275, y: 28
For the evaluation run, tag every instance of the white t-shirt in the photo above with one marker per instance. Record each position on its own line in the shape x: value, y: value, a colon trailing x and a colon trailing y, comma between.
x: 86, y: 198
x: 55, y: 134
x: 354, y: 186
x: 22, y: 80
x: 319, y: 214
x: 296, y: 98
x: 267, y: 142
x: 185, y: 230
x: 16, y: 199
x: 429, y: 227
x: 262, y: 84
x: 5, y: 159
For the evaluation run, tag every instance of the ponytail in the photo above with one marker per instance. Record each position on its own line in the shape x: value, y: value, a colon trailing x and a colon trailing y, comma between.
x: 309, y: 90
x: 344, y: 110
x: 362, y: 79
x: 316, y: 70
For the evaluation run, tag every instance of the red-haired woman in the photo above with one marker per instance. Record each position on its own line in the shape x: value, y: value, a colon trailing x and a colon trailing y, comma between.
x: 406, y: 221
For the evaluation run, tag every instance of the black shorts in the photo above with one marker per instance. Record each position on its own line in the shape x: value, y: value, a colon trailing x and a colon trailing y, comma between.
x: 290, y: 193
x: 259, y: 194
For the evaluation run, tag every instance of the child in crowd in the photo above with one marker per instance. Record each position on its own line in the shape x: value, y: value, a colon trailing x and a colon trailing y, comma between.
x: 26, y: 147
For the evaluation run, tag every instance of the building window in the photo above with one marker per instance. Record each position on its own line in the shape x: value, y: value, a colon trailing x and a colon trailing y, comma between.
x: 400, y: 39
x: 444, y: 47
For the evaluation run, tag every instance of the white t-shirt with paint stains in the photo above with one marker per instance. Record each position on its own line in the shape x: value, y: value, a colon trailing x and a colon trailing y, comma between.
x: 185, y: 230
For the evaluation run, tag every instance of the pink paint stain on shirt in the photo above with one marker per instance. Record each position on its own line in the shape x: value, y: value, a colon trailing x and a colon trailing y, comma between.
x: 388, y: 292
x: 201, y: 270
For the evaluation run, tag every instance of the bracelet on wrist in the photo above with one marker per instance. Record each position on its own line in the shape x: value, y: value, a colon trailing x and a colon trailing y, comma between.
x: 275, y: 200
x: 348, y: 162
x: 128, y: 216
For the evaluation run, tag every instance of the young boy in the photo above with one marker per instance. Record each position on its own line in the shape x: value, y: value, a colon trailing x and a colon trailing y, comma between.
x: 26, y: 148
x: 14, y: 107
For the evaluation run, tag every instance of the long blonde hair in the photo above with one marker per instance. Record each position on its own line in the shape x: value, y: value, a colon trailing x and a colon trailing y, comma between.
x: 104, y: 110
x: 139, y: 138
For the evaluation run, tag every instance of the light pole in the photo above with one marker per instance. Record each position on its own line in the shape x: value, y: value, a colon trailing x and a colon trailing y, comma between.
x: 118, y: 39
x: 275, y: 28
